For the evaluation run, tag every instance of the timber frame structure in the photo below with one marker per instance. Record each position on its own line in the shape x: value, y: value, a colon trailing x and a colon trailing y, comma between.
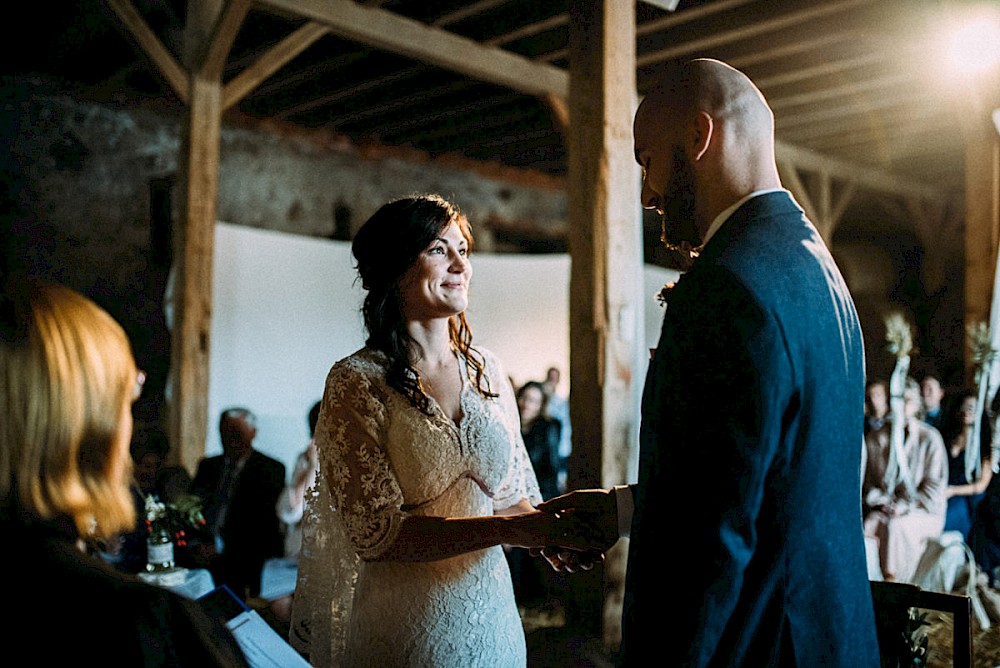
x: 585, y: 85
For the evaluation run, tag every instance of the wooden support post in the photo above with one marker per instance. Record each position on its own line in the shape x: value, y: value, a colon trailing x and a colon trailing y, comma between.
x: 982, y: 221
x: 606, y: 305
x: 199, y: 176
x: 193, y: 323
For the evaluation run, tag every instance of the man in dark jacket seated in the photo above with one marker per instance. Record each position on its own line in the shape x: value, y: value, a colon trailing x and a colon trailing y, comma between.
x: 239, y: 490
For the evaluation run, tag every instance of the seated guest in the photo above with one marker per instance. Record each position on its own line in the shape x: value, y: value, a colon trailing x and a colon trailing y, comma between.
x: 542, y: 435
x: 291, y: 502
x: 984, y: 538
x: 149, y: 450
x: 152, y: 473
x: 876, y: 404
x: 239, y: 491
x: 933, y: 395
x: 151, y: 478
x: 963, y: 493
x: 903, y: 491
x: 67, y: 384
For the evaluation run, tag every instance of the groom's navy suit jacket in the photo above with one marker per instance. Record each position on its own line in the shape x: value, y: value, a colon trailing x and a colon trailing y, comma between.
x: 746, y: 544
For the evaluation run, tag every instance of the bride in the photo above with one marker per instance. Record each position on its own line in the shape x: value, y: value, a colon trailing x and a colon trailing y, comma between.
x: 423, y: 473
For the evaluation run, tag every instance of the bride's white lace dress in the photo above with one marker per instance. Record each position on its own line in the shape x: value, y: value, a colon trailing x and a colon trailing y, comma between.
x: 381, y: 459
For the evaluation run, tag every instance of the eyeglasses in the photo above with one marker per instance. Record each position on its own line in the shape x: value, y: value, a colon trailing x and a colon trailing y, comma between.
x: 140, y: 380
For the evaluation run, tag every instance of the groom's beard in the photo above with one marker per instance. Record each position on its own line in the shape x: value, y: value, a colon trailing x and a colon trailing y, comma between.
x: 678, y: 230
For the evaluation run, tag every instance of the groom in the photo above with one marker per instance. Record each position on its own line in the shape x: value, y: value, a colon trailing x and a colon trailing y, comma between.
x: 755, y: 394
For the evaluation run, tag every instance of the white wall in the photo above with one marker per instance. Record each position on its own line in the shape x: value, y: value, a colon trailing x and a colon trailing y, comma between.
x: 286, y: 307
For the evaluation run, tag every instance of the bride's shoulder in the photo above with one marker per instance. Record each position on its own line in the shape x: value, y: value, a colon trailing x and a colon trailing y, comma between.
x: 490, y: 357
x: 492, y: 364
x: 364, y: 363
x: 485, y: 353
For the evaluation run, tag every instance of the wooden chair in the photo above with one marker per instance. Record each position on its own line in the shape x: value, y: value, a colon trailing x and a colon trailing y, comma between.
x: 893, y: 601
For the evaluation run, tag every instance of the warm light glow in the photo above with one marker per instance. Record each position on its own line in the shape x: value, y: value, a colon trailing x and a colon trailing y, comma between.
x: 974, y: 44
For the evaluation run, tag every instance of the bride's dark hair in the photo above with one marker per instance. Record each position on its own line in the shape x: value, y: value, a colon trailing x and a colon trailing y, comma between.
x: 385, y: 247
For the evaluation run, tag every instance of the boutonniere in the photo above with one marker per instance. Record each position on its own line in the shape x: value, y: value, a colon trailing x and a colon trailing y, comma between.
x: 663, y: 296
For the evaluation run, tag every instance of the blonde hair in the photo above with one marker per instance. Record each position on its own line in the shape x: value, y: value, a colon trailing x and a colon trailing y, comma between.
x: 67, y: 376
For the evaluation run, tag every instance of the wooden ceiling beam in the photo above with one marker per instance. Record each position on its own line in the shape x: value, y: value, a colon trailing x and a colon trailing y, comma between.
x: 751, y: 30
x: 370, y: 84
x: 391, y: 32
x: 905, y: 118
x: 471, y: 127
x: 213, y: 60
x: 827, y: 95
x: 865, y: 177
x: 517, y: 138
x: 274, y: 59
x: 784, y: 52
x: 859, y: 109
x: 529, y: 30
x: 895, y: 141
x: 687, y: 16
x: 175, y: 75
x: 359, y: 116
x: 792, y: 75
x: 278, y: 84
x: 446, y: 114
x: 472, y: 9
x: 667, y: 22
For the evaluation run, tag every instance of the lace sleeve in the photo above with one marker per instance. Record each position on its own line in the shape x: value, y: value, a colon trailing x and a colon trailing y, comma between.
x: 349, y: 442
x: 520, y: 481
x: 352, y: 509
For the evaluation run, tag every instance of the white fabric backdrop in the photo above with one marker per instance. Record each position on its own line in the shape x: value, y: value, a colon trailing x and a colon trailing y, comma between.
x: 286, y: 307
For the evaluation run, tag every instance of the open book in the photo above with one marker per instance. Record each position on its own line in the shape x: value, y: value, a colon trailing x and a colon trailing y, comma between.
x: 261, y: 645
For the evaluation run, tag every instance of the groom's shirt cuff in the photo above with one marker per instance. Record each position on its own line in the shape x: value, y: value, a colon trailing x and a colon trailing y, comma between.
x: 626, y: 505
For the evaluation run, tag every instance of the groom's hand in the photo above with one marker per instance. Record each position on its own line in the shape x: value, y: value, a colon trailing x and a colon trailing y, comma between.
x: 594, y: 513
x: 568, y: 561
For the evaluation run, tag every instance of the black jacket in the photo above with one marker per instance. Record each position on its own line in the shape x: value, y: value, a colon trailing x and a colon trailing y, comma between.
x: 68, y: 605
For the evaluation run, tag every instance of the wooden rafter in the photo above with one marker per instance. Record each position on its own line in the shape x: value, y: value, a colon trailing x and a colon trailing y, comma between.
x: 175, y: 75
x: 865, y: 177
x: 213, y: 59
x: 756, y: 29
x: 385, y: 30
x: 274, y: 59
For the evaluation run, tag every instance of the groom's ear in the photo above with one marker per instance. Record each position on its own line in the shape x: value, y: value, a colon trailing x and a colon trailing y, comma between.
x: 699, y: 135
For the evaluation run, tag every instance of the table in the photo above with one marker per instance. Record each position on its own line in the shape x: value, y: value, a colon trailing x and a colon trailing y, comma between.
x: 188, y: 582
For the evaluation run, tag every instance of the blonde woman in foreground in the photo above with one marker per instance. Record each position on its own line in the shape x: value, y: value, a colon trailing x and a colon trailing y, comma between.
x: 67, y: 384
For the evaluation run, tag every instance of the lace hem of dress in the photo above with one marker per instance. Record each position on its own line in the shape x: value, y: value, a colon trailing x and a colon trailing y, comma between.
x: 324, y: 591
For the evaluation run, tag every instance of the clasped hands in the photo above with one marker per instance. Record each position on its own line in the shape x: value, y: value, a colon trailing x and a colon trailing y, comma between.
x: 578, y: 528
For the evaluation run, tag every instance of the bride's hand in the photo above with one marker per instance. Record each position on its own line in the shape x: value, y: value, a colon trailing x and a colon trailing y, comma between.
x: 572, y: 529
x: 587, y: 519
x: 568, y: 561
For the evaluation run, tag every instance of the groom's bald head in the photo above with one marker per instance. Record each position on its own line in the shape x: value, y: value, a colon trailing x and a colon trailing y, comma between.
x: 710, y: 122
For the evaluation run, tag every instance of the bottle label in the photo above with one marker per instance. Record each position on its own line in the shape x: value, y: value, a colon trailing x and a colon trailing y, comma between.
x: 161, y: 554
